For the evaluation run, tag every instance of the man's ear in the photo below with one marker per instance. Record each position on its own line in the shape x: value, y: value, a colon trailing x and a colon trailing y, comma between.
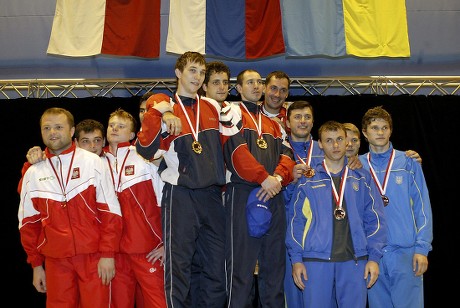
x: 178, y: 72
x: 238, y: 88
x: 288, y: 124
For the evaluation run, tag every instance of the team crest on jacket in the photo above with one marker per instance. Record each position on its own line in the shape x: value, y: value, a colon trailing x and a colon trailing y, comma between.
x: 129, y: 170
x: 399, y: 180
x: 76, y: 173
x: 355, y: 186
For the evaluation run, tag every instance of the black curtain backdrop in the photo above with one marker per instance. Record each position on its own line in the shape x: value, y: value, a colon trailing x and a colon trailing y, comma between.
x: 423, y: 123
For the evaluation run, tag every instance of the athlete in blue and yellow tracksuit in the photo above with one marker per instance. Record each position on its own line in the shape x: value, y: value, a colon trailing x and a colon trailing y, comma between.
x: 410, y: 230
x: 310, y: 234
x: 302, y: 154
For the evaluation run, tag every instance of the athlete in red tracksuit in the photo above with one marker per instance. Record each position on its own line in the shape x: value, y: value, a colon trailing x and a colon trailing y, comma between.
x: 133, y: 179
x: 69, y: 219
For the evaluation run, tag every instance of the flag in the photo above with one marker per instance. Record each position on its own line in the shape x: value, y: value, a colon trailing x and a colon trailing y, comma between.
x: 363, y: 28
x: 111, y: 27
x: 313, y: 27
x: 237, y: 29
x: 376, y: 28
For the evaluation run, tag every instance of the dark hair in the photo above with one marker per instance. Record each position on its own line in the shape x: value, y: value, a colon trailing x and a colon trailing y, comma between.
x: 189, y: 57
x: 298, y: 105
x: 278, y: 75
x: 331, y: 126
x: 239, y: 78
x: 376, y: 113
x: 89, y: 126
x: 145, y: 97
x: 216, y: 67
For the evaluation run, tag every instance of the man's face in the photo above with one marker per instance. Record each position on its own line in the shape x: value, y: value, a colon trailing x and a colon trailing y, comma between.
x: 353, y: 143
x: 300, y: 123
x: 252, y: 87
x: 190, y: 79
x: 142, y: 110
x: 217, y: 86
x: 93, y: 141
x: 334, y: 144
x: 276, y: 92
x: 378, y: 133
x: 56, y: 132
x: 119, y: 130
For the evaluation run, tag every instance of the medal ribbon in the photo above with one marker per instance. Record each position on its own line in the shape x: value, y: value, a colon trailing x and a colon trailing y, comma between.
x: 309, y: 152
x: 338, y: 198
x: 61, y: 184
x: 381, y: 188
x: 258, y: 127
x: 194, y: 131
x: 117, y: 187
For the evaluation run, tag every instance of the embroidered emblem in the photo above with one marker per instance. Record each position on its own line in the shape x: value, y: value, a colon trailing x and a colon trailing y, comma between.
x: 75, y: 173
x: 355, y: 186
x: 129, y: 170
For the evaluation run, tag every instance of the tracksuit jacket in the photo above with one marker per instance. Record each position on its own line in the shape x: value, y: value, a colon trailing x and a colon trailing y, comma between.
x: 81, y: 216
x: 408, y: 214
x: 133, y: 181
x: 310, y: 230
x: 178, y: 166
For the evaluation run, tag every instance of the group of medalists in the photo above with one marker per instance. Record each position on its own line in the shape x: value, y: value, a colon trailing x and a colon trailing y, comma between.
x: 157, y: 217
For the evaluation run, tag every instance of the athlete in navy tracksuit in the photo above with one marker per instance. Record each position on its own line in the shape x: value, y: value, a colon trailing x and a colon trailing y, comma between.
x: 250, y: 165
x: 193, y: 170
x: 193, y: 214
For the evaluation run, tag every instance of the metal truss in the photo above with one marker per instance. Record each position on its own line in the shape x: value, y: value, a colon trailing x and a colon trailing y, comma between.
x: 375, y: 85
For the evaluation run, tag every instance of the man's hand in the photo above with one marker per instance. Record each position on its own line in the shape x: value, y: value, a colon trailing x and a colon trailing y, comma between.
x: 415, y: 155
x: 420, y: 264
x: 106, y: 270
x: 271, y: 186
x: 372, y: 271
x: 156, y: 254
x: 299, y: 273
x: 35, y: 155
x: 173, y: 123
x: 354, y: 163
x: 39, y: 279
x: 298, y: 171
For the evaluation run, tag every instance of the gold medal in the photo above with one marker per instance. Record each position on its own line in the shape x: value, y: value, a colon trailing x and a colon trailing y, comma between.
x: 385, y: 200
x: 310, y: 172
x: 339, y: 214
x: 261, y: 143
x: 196, y: 147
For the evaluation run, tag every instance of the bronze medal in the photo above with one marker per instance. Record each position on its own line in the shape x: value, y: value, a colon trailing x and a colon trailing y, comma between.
x: 261, y: 143
x: 339, y: 214
x: 385, y: 200
x: 310, y: 172
x: 196, y: 147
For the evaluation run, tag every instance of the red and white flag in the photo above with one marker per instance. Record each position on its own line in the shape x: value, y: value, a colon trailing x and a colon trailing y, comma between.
x: 111, y: 27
